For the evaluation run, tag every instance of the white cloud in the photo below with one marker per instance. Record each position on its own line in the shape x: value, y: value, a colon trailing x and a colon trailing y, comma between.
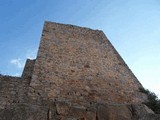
x: 18, y: 62
x: 31, y: 54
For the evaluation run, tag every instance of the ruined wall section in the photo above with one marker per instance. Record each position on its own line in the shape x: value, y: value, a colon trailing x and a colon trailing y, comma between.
x: 14, y: 90
x: 9, y: 90
x: 81, y: 66
x: 28, y: 70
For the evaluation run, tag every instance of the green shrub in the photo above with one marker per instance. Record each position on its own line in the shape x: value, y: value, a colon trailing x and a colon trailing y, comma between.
x: 153, y: 101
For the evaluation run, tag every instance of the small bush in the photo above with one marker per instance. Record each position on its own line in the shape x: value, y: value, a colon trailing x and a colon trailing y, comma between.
x: 153, y: 101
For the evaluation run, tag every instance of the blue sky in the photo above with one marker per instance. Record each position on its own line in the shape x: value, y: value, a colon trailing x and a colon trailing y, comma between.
x: 132, y: 26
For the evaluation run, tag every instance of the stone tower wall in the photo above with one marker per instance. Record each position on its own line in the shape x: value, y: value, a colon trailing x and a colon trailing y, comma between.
x: 28, y: 70
x: 81, y: 66
x: 78, y: 75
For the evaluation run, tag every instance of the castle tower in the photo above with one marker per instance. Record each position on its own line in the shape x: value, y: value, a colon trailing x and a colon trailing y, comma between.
x: 77, y: 75
x: 80, y: 65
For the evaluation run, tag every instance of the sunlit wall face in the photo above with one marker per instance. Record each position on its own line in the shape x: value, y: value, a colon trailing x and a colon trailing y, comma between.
x: 131, y: 26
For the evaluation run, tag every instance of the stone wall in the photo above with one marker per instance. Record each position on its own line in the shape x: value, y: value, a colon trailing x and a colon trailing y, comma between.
x: 78, y: 75
x: 80, y: 65
x: 14, y: 90
x: 9, y: 91
x: 63, y: 111
x: 28, y: 70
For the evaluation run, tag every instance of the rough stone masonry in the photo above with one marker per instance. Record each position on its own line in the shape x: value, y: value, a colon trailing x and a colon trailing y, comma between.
x: 77, y: 75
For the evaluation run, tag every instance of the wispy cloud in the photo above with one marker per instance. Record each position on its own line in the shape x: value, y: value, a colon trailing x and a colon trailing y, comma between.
x: 18, y: 62
x: 31, y: 54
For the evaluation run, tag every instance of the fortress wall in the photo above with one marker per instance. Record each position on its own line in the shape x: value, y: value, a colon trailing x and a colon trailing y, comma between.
x: 9, y: 90
x: 13, y: 90
x: 80, y: 65
x: 28, y: 70
x: 77, y: 75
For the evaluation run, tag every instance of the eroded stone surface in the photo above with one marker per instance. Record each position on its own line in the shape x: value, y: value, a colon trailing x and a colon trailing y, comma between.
x: 77, y: 75
x: 65, y: 111
x: 85, y: 63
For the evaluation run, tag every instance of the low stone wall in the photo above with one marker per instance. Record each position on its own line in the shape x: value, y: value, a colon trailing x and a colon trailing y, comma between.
x: 65, y: 111
x: 14, y: 90
x: 9, y: 90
